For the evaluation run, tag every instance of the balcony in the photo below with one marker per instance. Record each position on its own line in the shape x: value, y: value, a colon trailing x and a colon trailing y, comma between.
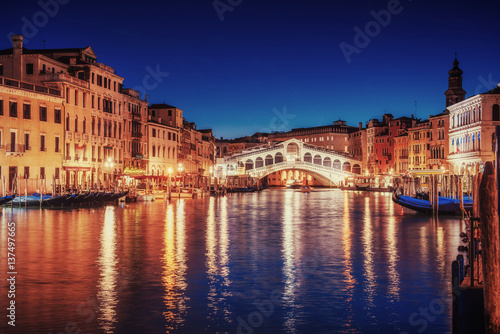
x: 14, y: 149
x: 86, y: 137
x: 69, y: 135
x: 78, y: 136
x: 29, y: 87
x: 93, y: 159
x: 99, y: 160
x: 136, y: 134
x: 63, y: 77
x: 77, y: 157
x: 68, y: 158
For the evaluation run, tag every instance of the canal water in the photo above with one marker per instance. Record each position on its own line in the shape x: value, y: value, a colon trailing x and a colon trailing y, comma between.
x: 278, y: 261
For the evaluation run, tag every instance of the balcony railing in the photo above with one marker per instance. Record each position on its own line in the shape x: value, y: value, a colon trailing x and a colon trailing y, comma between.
x: 137, y: 134
x: 68, y: 157
x: 63, y: 77
x: 69, y: 135
x: 85, y: 159
x: 93, y: 159
x: 12, y: 149
x: 28, y: 86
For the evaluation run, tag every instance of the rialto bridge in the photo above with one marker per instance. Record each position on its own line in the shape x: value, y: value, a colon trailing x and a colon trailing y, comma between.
x: 328, y: 166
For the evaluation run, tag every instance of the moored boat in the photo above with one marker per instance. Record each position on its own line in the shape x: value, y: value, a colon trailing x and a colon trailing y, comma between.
x: 6, y: 199
x: 446, y: 206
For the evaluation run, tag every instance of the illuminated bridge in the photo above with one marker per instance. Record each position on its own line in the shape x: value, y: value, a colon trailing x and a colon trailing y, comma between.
x: 326, y: 165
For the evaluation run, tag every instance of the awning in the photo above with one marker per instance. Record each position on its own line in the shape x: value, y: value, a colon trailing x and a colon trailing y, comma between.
x: 77, y: 169
x: 426, y: 171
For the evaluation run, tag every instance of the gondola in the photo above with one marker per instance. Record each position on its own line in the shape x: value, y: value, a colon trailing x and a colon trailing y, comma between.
x: 31, y: 200
x: 6, y: 199
x: 55, y: 201
x: 447, y: 206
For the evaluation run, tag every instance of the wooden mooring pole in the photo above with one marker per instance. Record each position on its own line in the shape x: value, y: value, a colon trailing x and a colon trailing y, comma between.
x: 490, y: 252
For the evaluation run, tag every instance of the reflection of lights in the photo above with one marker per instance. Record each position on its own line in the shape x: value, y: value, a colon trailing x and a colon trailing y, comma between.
x: 289, y: 260
x: 211, y: 258
x: 174, y: 267
x: 169, y: 170
x: 368, y: 258
x: 392, y: 250
x: 218, y: 262
x: 350, y: 281
x: 107, y: 265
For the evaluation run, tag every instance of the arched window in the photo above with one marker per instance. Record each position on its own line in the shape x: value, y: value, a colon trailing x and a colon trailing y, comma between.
x: 495, y: 113
x: 259, y: 162
x: 278, y: 158
x: 269, y: 160
x: 317, y: 160
x: 248, y: 164
x: 308, y: 157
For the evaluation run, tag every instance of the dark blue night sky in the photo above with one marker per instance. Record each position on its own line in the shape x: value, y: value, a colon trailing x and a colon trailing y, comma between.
x: 277, y: 65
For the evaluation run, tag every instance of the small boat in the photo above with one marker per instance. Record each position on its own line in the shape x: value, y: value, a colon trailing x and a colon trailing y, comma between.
x: 305, y: 189
x: 143, y: 197
x: 55, y: 201
x: 31, y: 200
x: 447, y: 206
x: 6, y: 199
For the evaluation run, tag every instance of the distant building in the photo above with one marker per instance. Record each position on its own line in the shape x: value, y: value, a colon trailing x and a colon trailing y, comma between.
x: 455, y: 92
x: 472, y: 130
x: 163, y: 141
x: 334, y: 137
x: 358, y: 145
x: 439, y: 143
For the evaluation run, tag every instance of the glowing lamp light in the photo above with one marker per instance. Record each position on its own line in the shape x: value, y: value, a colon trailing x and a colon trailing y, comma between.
x: 109, y: 163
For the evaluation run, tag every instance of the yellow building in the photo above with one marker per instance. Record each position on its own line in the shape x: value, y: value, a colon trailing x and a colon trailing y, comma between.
x: 96, y: 113
x: 31, y: 135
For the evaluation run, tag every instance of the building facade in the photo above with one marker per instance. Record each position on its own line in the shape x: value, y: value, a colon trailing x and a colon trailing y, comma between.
x: 472, y: 131
x: 31, y: 136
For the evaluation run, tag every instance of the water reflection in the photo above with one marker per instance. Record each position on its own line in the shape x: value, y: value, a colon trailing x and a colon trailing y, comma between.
x: 217, y: 261
x: 368, y: 263
x: 349, y: 279
x: 193, y: 265
x: 289, y: 270
x: 107, y: 262
x: 393, y: 258
x: 174, y: 267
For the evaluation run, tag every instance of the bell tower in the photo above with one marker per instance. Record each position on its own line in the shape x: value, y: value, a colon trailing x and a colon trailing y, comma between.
x: 455, y: 92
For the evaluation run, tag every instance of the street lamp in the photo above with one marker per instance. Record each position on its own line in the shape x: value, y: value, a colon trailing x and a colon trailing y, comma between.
x: 180, y: 168
x: 109, y: 166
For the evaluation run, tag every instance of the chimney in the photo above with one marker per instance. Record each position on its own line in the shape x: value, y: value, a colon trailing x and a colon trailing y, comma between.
x: 17, y: 52
x: 360, y: 125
